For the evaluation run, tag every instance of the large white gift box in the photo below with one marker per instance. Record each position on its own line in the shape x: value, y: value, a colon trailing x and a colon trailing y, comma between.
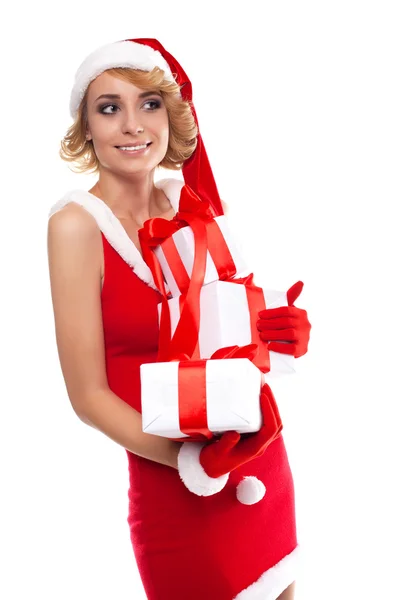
x: 225, y: 321
x: 184, y: 243
x: 232, y: 396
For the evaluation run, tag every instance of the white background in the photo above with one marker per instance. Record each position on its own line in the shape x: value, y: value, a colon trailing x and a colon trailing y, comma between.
x: 298, y: 105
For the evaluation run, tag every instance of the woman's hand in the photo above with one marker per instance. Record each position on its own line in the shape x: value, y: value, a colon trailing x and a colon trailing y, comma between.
x: 288, y: 324
x: 232, y: 450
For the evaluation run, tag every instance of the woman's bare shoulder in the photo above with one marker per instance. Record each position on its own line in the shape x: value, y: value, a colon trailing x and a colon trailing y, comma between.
x: 73, y: 217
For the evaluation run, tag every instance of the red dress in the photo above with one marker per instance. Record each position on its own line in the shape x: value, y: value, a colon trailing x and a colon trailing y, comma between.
x: 187, y: 547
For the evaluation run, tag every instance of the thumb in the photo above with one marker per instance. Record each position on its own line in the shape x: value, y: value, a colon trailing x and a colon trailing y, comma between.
x: 228, y: 440
x: 294, y: 292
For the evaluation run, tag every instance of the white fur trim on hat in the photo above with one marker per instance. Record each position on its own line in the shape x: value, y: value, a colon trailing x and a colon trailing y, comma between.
x: 192, y: 473
x: 116, y: 54
x: 250, y: 490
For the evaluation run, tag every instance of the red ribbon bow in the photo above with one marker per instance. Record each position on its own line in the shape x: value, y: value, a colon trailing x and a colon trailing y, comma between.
x: 198, y: 215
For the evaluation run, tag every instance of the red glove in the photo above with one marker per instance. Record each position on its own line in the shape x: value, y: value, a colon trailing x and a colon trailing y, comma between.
x: 204, y: 468
x: 287, y: 324
x: 233, y: 450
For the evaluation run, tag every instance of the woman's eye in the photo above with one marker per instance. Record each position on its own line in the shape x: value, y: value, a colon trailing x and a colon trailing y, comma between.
x: 156, y: 102
x: 103, y: 111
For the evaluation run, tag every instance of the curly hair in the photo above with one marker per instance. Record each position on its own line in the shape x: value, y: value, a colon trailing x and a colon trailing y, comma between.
x: 183, y: 131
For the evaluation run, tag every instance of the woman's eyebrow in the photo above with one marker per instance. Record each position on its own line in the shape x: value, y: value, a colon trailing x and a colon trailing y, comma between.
x: 118, y: 97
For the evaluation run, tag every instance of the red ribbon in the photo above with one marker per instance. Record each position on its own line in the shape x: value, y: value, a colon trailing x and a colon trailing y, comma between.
x: 192, y: 395
x: 196, y: 353
x: 256, y: 302
x: 207, y: 235
x: 191, y: 205
x: 152, y: 234
x: 219, y: 251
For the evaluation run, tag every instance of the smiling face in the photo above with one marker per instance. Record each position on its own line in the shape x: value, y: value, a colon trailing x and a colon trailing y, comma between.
x: 132, y: 116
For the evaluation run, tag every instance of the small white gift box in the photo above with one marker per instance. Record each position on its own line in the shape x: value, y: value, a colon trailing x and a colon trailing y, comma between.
x: 231, y: 399
x: 225, y: 321
x: 184, y: 242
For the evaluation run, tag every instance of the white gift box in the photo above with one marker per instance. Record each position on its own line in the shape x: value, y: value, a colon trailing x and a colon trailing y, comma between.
x: 184, y: 242
x: 232, y: 389
x: 225, y: 321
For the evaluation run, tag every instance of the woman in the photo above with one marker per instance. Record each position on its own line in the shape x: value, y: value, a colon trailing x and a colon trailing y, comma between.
x: 188, y: 542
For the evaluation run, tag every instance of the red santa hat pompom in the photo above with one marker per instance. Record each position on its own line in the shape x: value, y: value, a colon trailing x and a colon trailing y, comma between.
x: 145, y: 54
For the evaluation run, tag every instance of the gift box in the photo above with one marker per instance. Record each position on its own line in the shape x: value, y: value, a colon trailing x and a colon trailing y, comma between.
x: 226, y: 320
x: 224, y: 256
x: 182, y: 399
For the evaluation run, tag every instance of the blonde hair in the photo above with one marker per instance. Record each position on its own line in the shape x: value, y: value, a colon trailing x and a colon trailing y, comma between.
x: 183, y: 131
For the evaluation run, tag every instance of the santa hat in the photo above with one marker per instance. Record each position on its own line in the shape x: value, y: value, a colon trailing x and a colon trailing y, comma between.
x: 145, y: 54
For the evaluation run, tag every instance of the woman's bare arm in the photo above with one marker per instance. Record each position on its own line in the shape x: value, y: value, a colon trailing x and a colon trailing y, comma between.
x: 74, y: 246
x: 123, y: 424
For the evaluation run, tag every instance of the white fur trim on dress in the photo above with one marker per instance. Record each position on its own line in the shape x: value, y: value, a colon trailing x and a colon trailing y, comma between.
x: 112, y: 228
x: 250, y: 490
x: 274, y: 581
x: 117, y: 54
x: 192, y: 473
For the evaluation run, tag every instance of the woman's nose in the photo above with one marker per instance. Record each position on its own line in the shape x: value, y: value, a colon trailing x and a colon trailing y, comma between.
x: 131, y: 122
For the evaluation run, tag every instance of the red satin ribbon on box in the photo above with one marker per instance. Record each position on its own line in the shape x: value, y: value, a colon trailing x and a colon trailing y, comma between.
x: 152, y: 234
x: 218, y: 249
x: 191, y: 204
x: 196, y: 352
x: 256, y: 302
x: 207, y: 236
x: 192, y: 395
